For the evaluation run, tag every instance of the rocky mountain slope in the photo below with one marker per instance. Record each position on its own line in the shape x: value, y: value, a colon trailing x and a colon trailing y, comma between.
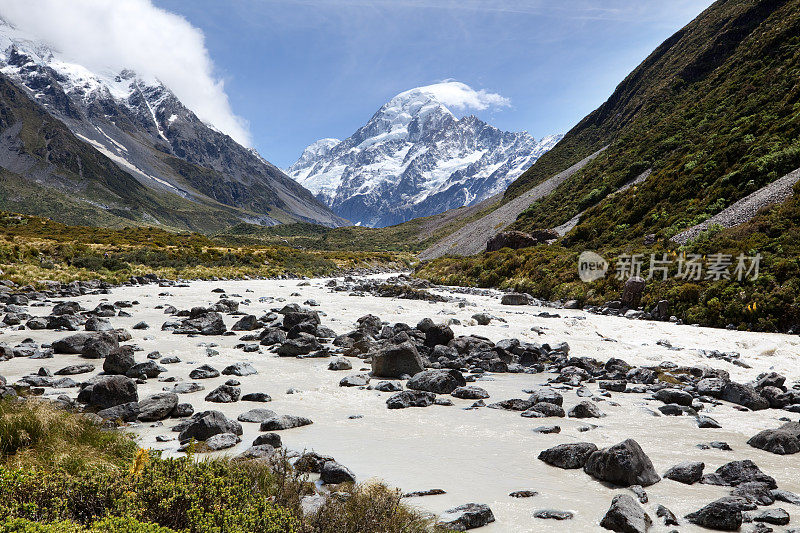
x: 415, y: 158
x: 139, y: 126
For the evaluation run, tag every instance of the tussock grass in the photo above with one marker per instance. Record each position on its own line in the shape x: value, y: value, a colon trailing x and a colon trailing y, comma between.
x: 36, y: 435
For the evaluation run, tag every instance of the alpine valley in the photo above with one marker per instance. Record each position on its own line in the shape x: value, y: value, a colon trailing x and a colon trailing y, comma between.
x: 415, y: 158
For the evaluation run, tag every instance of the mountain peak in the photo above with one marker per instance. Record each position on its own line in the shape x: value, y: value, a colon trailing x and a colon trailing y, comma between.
x: 415, y: 158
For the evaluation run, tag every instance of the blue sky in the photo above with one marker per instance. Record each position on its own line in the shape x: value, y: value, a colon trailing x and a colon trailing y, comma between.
x: 300, y: 70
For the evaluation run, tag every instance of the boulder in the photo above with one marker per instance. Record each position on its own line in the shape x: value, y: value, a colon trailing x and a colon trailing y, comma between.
x: 204, y: 372
x: 397, y: 361
x: 256, y: 415
x: 126, y: 412
x: 439, y: 381
x: 339, y: 363
x: 246, y: 323
x: 110, y: 391
x: 467, y: 516
x: 626, y: 516
x: 782, y: 441
x: 514, y: 298
x: 544, y: 410
x: 119, y: 361
x: 202, y: 322
x: 623, y: 464
x: 239, y: 369
x: 356, y: 380
x: 438, y: 335
x: 410, y: 398
x: 775, y: 517
x: 722, y: 515
x: 736, y: 472
x: 687, y: 472
x: 674, y: 396
x: 284, y: 422
x: 256, y: 397
x: 157, y: 407
x: 546, y: 395
x: 568, y: 456
x: 586, y: 409
x: 470, y: 392
x: 222, y: 441
x: 207, y: 424
x: 745, y: 395
x: 518, y: 239
x: 224, y: 394
x: 632, y: 292
x: 303, y: 344
x: 272, y: 439
x: 334, y: 473
x: 146, y: 369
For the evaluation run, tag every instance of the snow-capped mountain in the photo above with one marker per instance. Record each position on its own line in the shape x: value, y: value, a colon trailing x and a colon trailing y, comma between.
x: 415, y: 158
x: 141, y: 126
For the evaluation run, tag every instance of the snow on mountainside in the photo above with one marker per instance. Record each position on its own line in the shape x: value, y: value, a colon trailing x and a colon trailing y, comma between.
x: 415, y: 158
x: 147, y: 131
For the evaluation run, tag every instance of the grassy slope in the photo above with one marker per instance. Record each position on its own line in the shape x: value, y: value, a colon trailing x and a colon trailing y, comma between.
x: 33, y: 248
x: 715, y: 112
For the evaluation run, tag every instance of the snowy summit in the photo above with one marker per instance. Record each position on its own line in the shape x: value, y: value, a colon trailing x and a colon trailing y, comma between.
x: 415, y: 158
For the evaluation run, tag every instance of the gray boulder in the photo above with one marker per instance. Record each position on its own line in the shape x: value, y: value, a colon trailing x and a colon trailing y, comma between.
x: 284, y: 422
x: 410, y: 398
x: 568, y: 456
x: 397, y: 361
x: 687, y: 472
x: 119, y: 361
x: 623, y: 464
x: 467, y: 516
x: 626, y: 516
x: 586, y: 409
x: 439, y: 381
x: 157, y: 407
x: 722, y: 515
x: 207, y: 424
x: 224, y: 394
x: 334, y: 473
x: 110, y: 391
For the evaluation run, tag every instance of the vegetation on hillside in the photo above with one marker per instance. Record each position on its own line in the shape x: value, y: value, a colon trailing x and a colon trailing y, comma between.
x: 33, y: 248
x: 61, y: 473
x: 768, y: 303
x: 714, y: 112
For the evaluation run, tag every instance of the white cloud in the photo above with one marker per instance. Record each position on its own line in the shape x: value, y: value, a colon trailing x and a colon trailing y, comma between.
x: 135, y: 34
x: 461, y: 96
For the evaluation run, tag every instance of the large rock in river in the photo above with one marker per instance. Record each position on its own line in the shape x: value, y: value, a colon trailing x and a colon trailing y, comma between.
x: 568, y: 456
x: 397, y: 361
x: 626, y: 516
x: 440, y: 381
x: 207, y: 424
x: 623, y: 464
x: 110, y: 391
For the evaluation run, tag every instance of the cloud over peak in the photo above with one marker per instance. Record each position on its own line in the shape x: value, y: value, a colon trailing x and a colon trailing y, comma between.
x: 134, y: 34
x: 463, y: 97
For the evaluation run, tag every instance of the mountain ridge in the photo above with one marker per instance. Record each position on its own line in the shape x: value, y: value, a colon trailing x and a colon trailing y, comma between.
x: 139, y: 124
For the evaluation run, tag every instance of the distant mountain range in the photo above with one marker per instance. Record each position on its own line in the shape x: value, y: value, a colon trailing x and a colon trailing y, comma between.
x: 415, y: 158
x: 110, y: 147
